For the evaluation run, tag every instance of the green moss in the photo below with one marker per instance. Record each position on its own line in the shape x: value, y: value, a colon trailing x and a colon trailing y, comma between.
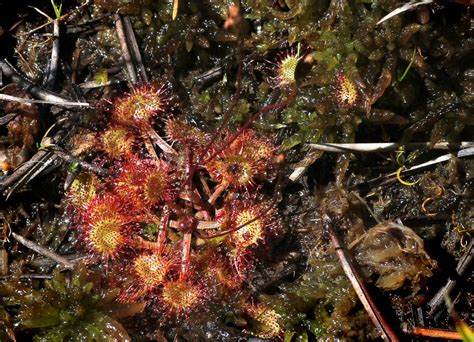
x: 65, y: 309
x: 321, y: 303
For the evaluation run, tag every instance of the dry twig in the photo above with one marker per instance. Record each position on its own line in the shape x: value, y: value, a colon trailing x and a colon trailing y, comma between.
x: 43, y: 251
x: 461, y: 268
x: 5, y: 97
x: 385, y: 179
x: 121, y: 35
x: 134, y: 49
x: 53, y: 66
x: 433, y: 333
x: 38, y: 92
x: 374, y: 313
x: 26, y: 172
x: 383, y: 147
x: 61, y: 153
x: 406, y: 7
x: 29, y: 276
x: 301, y: 167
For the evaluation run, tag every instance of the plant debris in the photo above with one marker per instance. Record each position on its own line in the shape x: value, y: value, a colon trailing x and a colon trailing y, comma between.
x: 214, y: 170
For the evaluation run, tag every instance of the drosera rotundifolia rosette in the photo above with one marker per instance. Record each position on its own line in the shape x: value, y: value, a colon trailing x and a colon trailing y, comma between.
x: 175, y: 230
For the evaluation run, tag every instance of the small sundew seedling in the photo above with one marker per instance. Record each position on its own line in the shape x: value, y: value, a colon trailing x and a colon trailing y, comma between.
x: 345, y: 91
x: 286, y: 66
x: 140, y: 105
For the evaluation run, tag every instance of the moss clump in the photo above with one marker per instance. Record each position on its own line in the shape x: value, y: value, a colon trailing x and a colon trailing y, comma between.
x: 66, y: 308
x: 320, y: 304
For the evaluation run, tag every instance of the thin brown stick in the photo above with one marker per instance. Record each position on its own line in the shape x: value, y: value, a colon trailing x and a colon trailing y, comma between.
x: 139, y: 242
x: 135, y: 50
x: 38, y: 163
x: 53, y: 66
x: 205, y: 186
x: 208, y: 225
x: 28, y: 276
x: 26, y: 172
x: 5, y: 97
x: 43, y: 251
x: 120, y: 29
x: 434, y: 333
x: 383, y: 147
x: 20, y: 172
x: 7, y: 118
x: 201, y: 225
x: 366, y: 205
x: 83, y: 164
x: 358, y: 285
x: 75, y: 63
x: 461, y: 268
x: 9, y: 71
x: 217, y: 192
x: 163, y: 229
x: 186, y: 254
x: 161, y: 143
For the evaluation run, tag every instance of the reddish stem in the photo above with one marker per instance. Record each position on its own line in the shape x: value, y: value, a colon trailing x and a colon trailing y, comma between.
x: 186, y: 253
x: 274, y: 106
x: 264, y: 212
x: 435, y: 333
x: 229, y: 110
x: 276, y: 198
x: 225, y: 119
x: 149, y: 146
x: 160, y: 142
x: 217, y: 192
x: 163, y: 229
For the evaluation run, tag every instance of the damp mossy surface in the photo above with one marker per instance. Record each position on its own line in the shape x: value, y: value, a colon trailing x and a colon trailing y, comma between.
x: 202, y: 215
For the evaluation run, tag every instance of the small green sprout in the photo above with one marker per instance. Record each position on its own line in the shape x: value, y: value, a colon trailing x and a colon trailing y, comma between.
x: 409, y: 66
x: 57, y: 10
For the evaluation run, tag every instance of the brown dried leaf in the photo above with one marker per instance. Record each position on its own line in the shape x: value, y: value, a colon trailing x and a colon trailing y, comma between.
x: 395, y: 254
